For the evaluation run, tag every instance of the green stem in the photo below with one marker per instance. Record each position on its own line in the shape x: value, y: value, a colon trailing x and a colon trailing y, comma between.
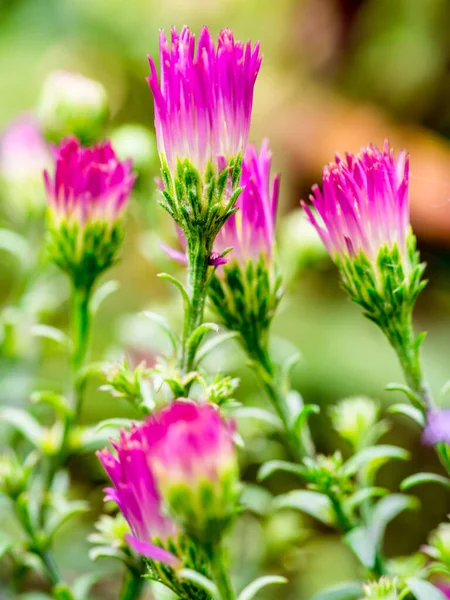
x: 220, y: 573
x: 408, y: 352
x: 80, y: 334
x: 342, y: 521
x: 277, y: 391
x: 198, y: 265
x: 132, y: 586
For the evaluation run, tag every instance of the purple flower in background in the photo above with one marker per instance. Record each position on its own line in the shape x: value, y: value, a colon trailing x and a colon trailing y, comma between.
x: 363, y: 204
x: 251, y: 230
x: 203, y: 100
x: 437, y: 428
x: 89, y: 184
x: 136, y: 494
x: 23, y: 151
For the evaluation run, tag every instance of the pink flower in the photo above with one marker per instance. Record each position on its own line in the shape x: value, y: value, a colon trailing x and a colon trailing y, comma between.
x: 251, y: 230
x: 363, y: 204
x: 89, y: 184
x: 136, y: 494
x: 23, y: 151
x: 437, y: 428
x: 181, y: 446
x: 204, y: 98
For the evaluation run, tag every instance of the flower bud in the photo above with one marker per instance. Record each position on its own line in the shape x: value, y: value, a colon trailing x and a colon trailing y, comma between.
x: 353, y: 417
x: 87, y: 197
x: 194, y: 460
x: 72, y: 104
x: 384, y: 589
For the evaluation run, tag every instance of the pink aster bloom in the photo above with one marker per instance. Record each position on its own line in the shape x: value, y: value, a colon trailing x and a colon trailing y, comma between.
x: 251, y: 230
x: 363, y: 204
x: 184, y: 443
x: 89, y: 184
x: 23, y: 151
x: 136, y: 494
x: 203, y: 100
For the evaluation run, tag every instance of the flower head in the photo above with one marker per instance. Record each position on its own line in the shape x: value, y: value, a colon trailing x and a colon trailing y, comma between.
x: 182, y: 460
x: 87, y: 196
x: 24, y: 154
x: 72, y: 104
x: 89, y: 184
x: 251, y: 230
x: 363, y: 205
x: 136, y: 494
x: 203, y: 100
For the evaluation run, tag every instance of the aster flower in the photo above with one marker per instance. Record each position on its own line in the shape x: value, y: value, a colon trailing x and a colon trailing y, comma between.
x: 87, y: 196
x: 363, y: 205
x: 182, y: 460
x: 251, y: 230
x: 137, y: 496
x: 362, y: 217
x: 24, y: 154
x: 203, y: 100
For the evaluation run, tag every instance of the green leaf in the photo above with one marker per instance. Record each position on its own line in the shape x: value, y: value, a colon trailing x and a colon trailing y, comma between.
x: 250, y: 591
x: 373, y: 454
x: 106, y: 552
x: 179, y: 286
x: 102, y: 293
x: 164, y: 325
x: 366, y: 541
x: 419, y: 478
x: 312, y: 503
x: 214, y: 343
x: 302, y: 417
x: 348, y: 590
x: 25, y: 423
x: 408, y: 411
x: 260, y: 414
x: 362, y: 495
x: 401, y: 387
x: 16, y: 245
x: 6, y: 543
x: 63, y: 512
x: 424, y: 590
x: 52, y: 333
x: 201, y: 581
x: 197, y: 336
x: 82, y: 585
x: 56, y: 401
x: 116, y: 423
x: 279, y: 465
x: 256, y: 499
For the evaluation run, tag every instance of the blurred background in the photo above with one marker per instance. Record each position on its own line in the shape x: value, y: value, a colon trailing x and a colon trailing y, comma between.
x: 336, y: 75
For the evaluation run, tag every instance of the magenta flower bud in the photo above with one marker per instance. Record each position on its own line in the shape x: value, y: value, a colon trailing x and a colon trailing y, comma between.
x: 180, y: 461
x: 24, y: 154
x: 363, y: 205
x: 251, y: 230
x: 87, y: 196
x: 203, y: 100
x: 136, y: 494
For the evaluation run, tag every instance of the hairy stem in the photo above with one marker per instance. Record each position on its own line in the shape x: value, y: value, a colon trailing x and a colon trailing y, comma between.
x: 132, y: 586
x: 220, y: 573
x: 198, y: 264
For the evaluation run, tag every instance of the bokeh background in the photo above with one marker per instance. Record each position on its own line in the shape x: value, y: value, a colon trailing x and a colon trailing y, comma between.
x: 336, y: 75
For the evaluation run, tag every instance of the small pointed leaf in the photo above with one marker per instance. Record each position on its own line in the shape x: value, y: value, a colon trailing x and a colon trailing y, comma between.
x: 279, y: 465
x: 201, y: 581
x: 23, y: 422
x: 250, y: 591
x: 312, y: 503
x: 408, y: 411
x: 424, y: 590
x: 349, y: 590
x: 380, y: 454
x: 420, y: 478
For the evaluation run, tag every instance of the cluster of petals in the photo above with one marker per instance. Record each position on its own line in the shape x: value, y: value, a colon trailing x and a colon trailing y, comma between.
x: 185, y: 443
x: 363, y: 204
x: 203, y: 99
x: 88, y: 184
